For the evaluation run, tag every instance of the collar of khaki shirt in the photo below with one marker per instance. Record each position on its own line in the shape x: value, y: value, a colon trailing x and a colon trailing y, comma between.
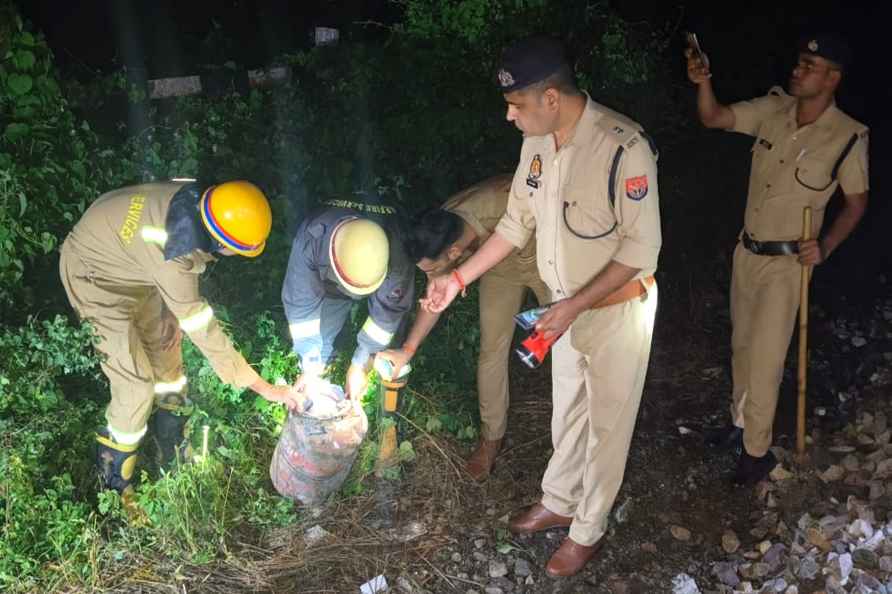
x: 584, y: 130
x: 824, y: 120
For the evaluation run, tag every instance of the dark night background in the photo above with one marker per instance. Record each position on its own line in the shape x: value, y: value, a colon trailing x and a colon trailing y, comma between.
x: 750, y: 44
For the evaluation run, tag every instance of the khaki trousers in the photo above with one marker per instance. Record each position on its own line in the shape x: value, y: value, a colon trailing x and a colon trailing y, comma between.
x: 598, y: 371
x: 130, y: 322
x: 501, y: 296
x: 764, y: 306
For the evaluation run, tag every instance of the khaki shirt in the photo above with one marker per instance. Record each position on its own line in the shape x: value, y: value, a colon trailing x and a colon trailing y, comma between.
x: 792, y: 167
x: 481, y: 206
x: 121, y: 240
x: 563, y: 196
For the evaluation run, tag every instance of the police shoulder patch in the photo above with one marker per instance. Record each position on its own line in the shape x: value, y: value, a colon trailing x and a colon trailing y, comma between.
x: 636, y: 187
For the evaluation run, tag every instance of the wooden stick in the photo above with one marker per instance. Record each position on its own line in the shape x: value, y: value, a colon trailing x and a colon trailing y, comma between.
x: 803, y: 339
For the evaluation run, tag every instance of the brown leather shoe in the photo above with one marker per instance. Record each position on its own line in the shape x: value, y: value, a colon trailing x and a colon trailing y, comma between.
x: 537, y: 518
x: 571, y: 558
x: 481, y: 461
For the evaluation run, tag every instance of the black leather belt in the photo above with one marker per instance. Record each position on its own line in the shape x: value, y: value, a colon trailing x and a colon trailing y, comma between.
x: 770, y: 248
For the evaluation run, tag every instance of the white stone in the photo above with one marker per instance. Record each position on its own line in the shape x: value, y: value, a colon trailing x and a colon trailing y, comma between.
x: 684, y: 584
x: 316, y: 535
x: 861, y: 529
x: 497, y: 569
x: 374, y: 585
x: 832, y: 474
x: 874, y: 542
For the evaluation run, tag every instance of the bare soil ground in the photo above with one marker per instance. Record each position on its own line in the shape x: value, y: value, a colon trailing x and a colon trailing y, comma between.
x: 436, y: 531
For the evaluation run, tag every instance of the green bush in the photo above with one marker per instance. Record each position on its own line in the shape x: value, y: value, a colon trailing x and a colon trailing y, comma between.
x: 41, y: 525
x: 35, y: 356
x: 50, y: 163
x: 45, y: 442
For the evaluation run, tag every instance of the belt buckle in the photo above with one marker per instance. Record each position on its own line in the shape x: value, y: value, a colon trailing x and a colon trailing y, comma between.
x: 755, y: 246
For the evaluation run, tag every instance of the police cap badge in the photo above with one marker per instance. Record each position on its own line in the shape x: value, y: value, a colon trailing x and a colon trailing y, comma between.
x: 529, y: 61
x: 828, y: 46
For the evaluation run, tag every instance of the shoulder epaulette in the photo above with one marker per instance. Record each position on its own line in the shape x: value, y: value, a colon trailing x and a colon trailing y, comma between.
x: 618, y: 127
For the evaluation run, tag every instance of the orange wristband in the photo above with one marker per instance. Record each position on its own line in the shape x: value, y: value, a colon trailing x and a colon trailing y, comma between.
x: 408, y: 349
x: 461, y: 282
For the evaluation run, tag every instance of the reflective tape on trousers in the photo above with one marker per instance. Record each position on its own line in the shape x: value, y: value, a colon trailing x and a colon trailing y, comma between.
x: 304, y: 329
x: 171, y: 387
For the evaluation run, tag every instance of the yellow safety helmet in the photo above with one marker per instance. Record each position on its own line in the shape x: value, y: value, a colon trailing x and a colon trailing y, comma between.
x: 238, y: 216
x: 359, y: 253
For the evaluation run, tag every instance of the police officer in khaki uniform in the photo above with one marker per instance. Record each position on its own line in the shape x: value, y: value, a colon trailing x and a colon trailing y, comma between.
x: 130, y: 266
x: 804, y: 147
x: 440, y: 240
x: 587, y: 185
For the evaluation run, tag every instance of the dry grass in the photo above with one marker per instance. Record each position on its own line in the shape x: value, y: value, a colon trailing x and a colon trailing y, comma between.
x: 395, y: 528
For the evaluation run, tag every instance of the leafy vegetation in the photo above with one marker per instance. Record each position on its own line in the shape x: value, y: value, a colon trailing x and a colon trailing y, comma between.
x: 353, y: 117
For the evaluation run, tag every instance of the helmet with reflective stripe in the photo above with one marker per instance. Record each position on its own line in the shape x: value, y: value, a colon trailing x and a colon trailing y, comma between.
x: 359, y: 253
x: 238, y: 216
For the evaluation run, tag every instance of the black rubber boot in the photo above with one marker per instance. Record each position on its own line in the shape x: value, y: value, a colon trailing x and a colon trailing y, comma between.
x: 751, y: 470
x: 116, y: 463
x: 729, y: 437
x: 168, y: 432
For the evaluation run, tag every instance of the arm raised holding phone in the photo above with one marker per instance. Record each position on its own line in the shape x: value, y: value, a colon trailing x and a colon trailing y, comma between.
x: 712, y: 113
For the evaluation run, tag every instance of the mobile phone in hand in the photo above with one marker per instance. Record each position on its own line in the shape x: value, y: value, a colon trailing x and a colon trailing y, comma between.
x: 694, y: 44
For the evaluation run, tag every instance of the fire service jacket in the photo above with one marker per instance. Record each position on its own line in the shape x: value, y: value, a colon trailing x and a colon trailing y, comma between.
x: 316, y: 305
x: 120, y: 239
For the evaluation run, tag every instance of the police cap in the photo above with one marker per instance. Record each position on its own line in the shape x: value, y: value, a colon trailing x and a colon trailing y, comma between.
x: 828, y: 46
x: 529, y: 61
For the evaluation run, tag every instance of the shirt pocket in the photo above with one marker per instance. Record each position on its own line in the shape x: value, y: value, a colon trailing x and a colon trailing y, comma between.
x: 586, y: 214
x: 763, y: 151
x: 814, y: 172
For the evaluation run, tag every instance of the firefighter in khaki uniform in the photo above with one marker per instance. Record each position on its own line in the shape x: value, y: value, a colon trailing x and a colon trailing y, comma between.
x: 443, y: 238
x: 130, y: 267
x: 587, y: 184
x: 804, y: 148
x: 337, y: 258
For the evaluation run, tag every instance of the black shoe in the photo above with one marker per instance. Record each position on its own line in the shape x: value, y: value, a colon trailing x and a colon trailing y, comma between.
x: 751, y: 470
x: 729, y: 437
